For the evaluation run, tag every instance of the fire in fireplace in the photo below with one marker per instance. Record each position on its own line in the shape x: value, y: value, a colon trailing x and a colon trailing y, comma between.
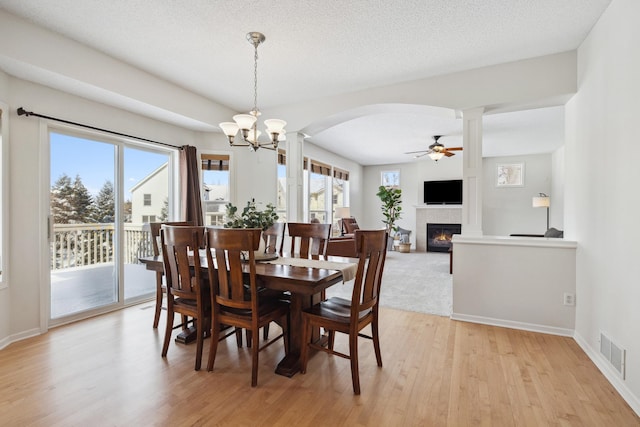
x: 439, y: 236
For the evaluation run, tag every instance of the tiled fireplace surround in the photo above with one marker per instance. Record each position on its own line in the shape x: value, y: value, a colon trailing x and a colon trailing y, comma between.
x: 434, y: 214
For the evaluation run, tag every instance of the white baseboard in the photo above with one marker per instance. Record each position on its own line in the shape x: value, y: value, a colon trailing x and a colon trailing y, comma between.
x: 19, y: 337
x: 610, y: 374
x: 513, y: 324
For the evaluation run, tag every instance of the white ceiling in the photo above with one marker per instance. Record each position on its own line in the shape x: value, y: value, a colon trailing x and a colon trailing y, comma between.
x: 319, y: 48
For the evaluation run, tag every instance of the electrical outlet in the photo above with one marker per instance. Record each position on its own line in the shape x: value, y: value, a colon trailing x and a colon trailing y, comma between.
x: 569, y: 299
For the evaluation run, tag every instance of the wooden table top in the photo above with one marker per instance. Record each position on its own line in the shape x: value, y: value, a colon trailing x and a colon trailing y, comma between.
x: 302, y: 280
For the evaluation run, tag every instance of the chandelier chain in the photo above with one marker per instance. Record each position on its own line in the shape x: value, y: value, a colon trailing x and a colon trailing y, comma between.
x: 255, y: 78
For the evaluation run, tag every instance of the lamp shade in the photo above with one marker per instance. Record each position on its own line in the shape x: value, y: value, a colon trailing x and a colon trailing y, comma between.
x: 244, y: 121
x: 436, y: 155
x: 229, y: 128
x: 541, y: 202
x: 343, y: 212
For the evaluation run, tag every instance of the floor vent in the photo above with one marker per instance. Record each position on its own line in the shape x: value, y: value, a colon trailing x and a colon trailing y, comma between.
x: 613, y: 353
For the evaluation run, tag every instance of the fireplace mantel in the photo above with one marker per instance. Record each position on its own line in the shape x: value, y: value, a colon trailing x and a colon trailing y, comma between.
x: 439, y: 214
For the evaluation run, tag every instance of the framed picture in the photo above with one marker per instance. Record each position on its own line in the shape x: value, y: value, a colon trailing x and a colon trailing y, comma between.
x: 510, y: 175
x: 390, y: 178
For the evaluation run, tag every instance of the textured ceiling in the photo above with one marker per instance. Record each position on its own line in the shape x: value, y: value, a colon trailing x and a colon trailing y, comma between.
x: 314, y: 48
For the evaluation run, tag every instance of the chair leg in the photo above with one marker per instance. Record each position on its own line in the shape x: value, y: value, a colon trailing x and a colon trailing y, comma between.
x: 168, y: 329
x: 238, y: 337
x: 332, y: 339
x: 213, y: 345
x: 254, y: 360
x: 156, y: 317
x: 249, y: 337
x: 265, y: 332
x: 200, y: 328
x: 304, y: 350
x: 376, y: 340
x: 353, y: 356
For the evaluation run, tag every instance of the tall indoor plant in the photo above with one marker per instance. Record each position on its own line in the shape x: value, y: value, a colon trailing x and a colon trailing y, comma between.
x: 391, y: 198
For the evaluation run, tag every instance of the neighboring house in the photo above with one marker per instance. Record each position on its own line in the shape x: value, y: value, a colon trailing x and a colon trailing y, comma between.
x: 149, y: 196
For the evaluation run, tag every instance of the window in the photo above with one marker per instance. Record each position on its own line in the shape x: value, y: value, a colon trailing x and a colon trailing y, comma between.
x: 148, y: 218
x: 326, y: 188
x: 319, y: 199
x: 340, y: 196
x: 216, y: 186
x: 147, y: 200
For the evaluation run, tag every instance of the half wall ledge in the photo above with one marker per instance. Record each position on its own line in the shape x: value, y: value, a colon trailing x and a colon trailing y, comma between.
x: 517, y: 282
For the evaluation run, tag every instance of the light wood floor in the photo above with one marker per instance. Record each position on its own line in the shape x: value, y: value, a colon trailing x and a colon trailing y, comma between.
x: 107, y: 371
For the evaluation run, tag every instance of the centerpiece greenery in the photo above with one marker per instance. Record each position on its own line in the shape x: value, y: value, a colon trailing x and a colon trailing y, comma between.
x: 250, y: 217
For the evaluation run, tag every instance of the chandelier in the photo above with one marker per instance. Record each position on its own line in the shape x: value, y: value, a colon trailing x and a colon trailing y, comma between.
x: 247, y: 123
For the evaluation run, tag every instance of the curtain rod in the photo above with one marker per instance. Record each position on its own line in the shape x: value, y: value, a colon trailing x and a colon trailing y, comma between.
x: 23, y: 112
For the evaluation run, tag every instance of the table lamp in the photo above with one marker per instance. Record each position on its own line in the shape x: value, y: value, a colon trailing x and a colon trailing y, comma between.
x: 542, y: 201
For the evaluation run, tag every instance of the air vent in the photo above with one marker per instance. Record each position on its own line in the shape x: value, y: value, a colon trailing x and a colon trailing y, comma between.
x: 613, y: 353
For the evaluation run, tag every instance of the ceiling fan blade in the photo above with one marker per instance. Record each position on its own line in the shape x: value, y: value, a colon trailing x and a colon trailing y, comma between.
x: 417, y: 156
x: 419, y: 151
x: 455, y: 149
x: 448, y: 154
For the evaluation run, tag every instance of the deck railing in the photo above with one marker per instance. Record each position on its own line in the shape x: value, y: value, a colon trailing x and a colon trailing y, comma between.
x: 76, y: 245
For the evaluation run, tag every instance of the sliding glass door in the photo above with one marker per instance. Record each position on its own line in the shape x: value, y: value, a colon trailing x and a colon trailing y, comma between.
x: 103, y: 192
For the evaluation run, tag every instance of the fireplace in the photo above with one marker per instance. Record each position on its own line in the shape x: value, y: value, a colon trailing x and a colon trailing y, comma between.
x: 439, y: 236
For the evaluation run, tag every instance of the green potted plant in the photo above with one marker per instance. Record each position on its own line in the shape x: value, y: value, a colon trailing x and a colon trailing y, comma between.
x: 391, y: 198
x: 251, y: 217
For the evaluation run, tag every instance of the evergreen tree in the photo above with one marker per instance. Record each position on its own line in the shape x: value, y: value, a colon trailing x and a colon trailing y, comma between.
x: 81, y: 202
x: 62, y: 200
x: 126, y: 210
x: 164, y: 212
x: 105, y: 208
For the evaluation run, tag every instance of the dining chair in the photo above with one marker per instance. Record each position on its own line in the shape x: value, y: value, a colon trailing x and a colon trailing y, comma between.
x: 308, y: 240
x: 274, y: 238
x: 350, y: 317
x: 235, y: 298
x: 187, y: 287
x: 161, y: 289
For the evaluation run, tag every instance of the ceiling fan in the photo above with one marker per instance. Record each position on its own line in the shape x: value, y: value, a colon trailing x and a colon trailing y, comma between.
x: 436, y: 150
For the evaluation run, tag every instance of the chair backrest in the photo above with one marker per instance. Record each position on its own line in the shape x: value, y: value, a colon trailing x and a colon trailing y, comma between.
x: 179, y: 244
x: 372, y: 252
x: 232, y: 248
x: 155, y: 233
x: 350, y: 225
x: 308, y: 240
x: 274, y: 238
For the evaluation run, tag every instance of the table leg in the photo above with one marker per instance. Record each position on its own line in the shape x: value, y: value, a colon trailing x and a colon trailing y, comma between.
x: 290, y: 365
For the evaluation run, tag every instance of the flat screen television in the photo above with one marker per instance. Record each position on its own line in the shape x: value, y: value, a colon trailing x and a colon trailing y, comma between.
x: 447, y: 192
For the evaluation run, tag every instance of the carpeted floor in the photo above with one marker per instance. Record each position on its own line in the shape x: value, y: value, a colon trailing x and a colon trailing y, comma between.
x: 416, y: 281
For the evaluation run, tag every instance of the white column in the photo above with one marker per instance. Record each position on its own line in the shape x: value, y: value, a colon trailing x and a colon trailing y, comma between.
x: 472, y: 172
x: 295, y: 181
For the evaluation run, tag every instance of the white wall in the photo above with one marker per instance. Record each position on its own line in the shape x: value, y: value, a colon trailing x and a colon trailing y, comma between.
x: 514, y: 282
x: 556, y: 210
x: 602, y: 196
x: 508, y: 210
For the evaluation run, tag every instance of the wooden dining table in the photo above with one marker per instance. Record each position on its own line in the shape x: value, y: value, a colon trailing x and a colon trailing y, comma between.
x: 305, y: 283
